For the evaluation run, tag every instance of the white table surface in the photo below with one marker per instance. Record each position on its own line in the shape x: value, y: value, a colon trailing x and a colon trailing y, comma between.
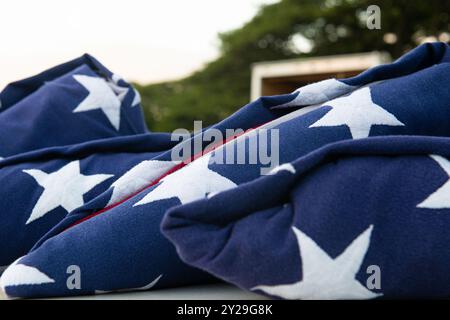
x: 205, y: 292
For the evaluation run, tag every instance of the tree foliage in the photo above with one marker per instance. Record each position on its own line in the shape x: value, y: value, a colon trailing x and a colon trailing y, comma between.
x: 330, y: 26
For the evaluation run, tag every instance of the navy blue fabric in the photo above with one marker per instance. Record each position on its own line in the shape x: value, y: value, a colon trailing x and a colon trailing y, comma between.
x: 38, y: 112
x: 55, y: 234
x: 229, y: 221
x: 245, y: 237
x: 39, y: 131
x: 20, y: 191
x: 420, y: 58
x: 332, y: 191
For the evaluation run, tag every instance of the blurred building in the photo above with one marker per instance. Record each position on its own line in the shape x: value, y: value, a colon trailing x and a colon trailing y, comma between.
x: 284, y: 76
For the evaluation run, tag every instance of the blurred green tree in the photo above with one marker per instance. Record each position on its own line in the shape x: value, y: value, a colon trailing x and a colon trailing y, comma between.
x: 323, y: 27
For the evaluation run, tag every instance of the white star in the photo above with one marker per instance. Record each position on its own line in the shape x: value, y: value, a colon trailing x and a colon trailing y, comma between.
x: 101, y: 96
x: 122, y: 92
x: 136, y: 99
x: 144, y: 288
x: 64, y: 188
x: 358, y: 112
x: 283, y: 167
x: 323, y: 276
x: 190, y: 183
x: 138, y: 177
x: 318, y: 92
x: 439, y: 199
x: 116, y: 78
x: 18, y: 274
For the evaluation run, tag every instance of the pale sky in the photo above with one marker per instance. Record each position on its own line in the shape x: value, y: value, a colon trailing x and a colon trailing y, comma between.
x: 142, y: 40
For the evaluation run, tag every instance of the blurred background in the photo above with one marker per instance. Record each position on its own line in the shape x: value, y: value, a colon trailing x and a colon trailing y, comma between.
x: 204, y: 59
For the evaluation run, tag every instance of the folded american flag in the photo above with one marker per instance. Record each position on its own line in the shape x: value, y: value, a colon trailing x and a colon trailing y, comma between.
x: 74, y: 188
x: 309, y: 229
x: 360, y: 218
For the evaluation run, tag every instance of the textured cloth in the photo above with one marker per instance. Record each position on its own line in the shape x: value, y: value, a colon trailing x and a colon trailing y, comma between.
x: 327, y: 214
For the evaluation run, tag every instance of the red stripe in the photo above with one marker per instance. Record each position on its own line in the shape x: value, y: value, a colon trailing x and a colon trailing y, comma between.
x: 172, y: 170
